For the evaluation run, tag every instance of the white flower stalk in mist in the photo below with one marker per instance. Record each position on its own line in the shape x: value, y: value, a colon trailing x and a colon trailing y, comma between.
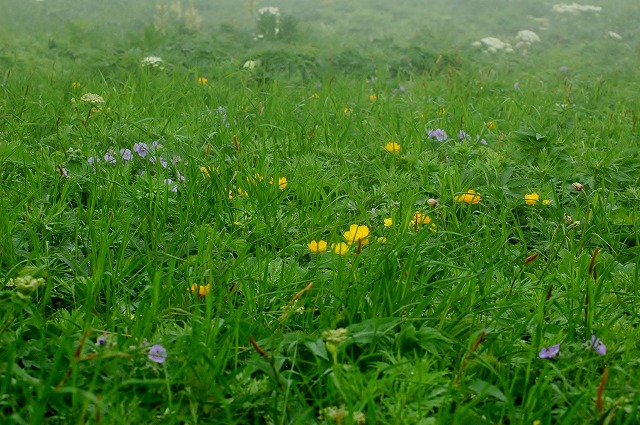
x: 153, y: 62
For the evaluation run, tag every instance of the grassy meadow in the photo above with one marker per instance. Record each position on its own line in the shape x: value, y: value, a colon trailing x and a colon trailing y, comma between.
x: 345, y: 212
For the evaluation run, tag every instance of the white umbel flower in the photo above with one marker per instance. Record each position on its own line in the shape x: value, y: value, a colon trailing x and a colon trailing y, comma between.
x: 527, y: 37
x: 152, y: 62
x: 575, y: 8
x: 94, y: 99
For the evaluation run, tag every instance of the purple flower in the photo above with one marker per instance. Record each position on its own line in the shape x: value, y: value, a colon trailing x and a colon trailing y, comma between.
x: 102, y: 340
x: 438, y: 134
x: 93, y: 160
x: 141, y: 149
x: 109, y: 158
x: 125, y: 154
x: 482, y: 141
x: 160, y: 159
x: 597, y: 345
x: 157, y: 353
x: 550, y: 352
x: 63, y: 172
x: 155, y: 145
x: 462, y: 135
x: 169, y: 182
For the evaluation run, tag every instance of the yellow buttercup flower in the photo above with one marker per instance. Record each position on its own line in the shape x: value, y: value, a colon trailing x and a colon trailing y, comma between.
x: 491, y: 125
x: 546, y: 202
x: 388, y: 222
x: 317, y: 247
x: 470, y: 197
x: 348, y: 110
x: 531, y: 198
x: 382, y: 240
x: 373, y: 97
x: 357, y: 233
x: 200, y: 290
x: 420, y: 218
x: 340, y: 248
x: 203, y: 81
x: 392, y: 147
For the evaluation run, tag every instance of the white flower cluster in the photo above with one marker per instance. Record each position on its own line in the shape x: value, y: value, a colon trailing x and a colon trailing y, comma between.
x: 271, y: 11
x: 527, y: 37
x: 94, y: 99
x: 575, y: 8
x: 153, y: 62
x: 268, y: 20
x: 493, y: 45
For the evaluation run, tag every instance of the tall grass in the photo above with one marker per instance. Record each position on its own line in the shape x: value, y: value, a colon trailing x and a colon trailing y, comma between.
x: 180, y: 212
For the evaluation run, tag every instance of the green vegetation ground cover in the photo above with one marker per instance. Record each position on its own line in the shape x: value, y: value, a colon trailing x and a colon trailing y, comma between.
x: 187, y: 208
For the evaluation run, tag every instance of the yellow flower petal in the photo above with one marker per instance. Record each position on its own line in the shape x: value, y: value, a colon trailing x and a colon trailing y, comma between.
x: 531, y: 198
x: 357, y: 233
x: 392, y: 147
x: 200, y: 290
x: 470, y: 197
x: 317, y: 247
x: 340, y: 248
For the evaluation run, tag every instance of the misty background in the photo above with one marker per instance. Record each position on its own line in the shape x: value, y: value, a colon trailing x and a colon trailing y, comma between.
x: 357, y: 36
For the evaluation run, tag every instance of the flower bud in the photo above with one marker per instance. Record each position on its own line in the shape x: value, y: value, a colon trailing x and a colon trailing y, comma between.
x: 432, y: 202
x: 577, y: 186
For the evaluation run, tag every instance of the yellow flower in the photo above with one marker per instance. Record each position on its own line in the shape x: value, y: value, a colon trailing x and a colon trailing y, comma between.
x: 203, y: 81
x: 357, y: 233
x: 470, y: 197
x: 392, y: 147
x: 315, y: 96
x: 208, y: 170
x: 531, y: 198
x: 491, y: 125
x: 420, y: 218
x: 75, y: 85
x: 242, y: 192
x: 373, y: 97
x: 317, y: 247
x: 537, y: 422
x: 546, y: 202
x: 388, y: 222
x: 382, y: 240
x: 441, y: 111
x: 282, y: 182
x: 200, y: 290
x: 256, y: 177
x: 340, y: 248
x: 348, y: 110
